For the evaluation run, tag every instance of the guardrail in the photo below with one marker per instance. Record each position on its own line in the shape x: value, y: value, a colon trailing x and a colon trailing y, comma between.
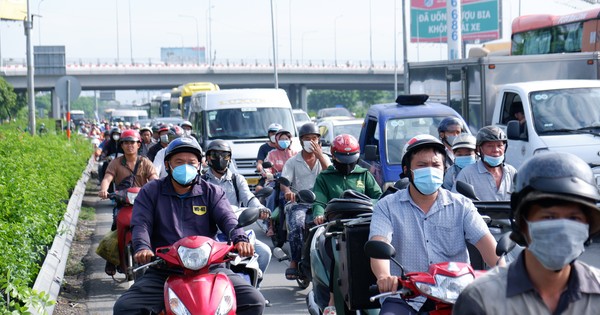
x: 51, y: 274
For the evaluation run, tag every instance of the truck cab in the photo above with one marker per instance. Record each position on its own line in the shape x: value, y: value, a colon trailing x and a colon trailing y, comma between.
x: 387, y: 128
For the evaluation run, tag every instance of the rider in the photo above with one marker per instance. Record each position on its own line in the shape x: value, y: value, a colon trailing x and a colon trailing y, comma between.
x: 163, y: 142
x: 146, y: 134
x: 424, y: 223
x: 159, y: 159
x: 109, y: 148
x: 491, y: 177
x: 463, y: 148
x: 128, y: 170
x: 236, y: 190
x: 301, y: 170
x: 448, y: 129
x: 555, y: 211
x: 264, y: 149
x: 160, y: 211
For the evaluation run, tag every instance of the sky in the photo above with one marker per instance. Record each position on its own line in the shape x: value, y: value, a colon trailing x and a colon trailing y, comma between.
x: 319, y: 30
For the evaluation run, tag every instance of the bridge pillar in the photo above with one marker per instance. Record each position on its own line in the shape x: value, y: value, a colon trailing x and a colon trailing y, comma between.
x: 293, y: 95
x: 303, y: 100
x: 56, y: 107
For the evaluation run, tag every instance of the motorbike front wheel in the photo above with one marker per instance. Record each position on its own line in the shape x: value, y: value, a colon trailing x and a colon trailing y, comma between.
x: 303, y: 282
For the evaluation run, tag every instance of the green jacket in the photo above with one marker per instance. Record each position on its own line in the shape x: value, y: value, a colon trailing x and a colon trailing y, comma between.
x: 331, y: 184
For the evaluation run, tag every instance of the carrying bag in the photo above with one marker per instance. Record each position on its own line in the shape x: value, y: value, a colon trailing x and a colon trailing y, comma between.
x: 109, y: 248
x: 128, y: 181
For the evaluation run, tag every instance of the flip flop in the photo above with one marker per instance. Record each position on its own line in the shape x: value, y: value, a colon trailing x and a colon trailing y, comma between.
x: 110, y: 269
x: 291, y: 274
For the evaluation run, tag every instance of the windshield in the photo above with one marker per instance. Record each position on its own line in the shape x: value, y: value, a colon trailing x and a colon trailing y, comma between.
x: 247, y: 122
x: 353, y: 130
x: 301, y: 117
x: 566, y: 110
x: 337, y: 111
x: 399, y: 131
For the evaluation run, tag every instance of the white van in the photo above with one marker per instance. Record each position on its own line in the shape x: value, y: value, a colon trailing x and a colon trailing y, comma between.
x: 242, y: 117
x: 127, y: 115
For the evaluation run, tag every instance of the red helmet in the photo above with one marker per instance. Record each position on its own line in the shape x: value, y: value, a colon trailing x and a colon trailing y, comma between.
x: 345, y: 148
x: 130, y: 135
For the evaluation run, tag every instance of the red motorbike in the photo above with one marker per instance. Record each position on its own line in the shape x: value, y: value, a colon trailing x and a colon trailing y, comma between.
x: 125, y: 200
x: 192, y: 288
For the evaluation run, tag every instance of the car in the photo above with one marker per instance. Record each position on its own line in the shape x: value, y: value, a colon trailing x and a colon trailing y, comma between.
x: 300, y: 117
x: 333, y: 111
x: 167, y: 121
x: 331, y: 128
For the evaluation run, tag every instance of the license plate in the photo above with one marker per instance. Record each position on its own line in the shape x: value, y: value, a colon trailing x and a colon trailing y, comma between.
x: 252, y: 181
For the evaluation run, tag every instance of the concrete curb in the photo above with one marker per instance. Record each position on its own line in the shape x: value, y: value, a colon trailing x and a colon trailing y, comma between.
x: 51, y: 274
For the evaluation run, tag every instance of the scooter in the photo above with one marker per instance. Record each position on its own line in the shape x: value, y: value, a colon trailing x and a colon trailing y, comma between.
x: 442, y: 283
x: 192, y: 288
x: 125, y: 200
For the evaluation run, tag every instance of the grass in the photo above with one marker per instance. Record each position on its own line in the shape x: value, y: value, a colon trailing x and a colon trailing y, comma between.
x: 87, y: 214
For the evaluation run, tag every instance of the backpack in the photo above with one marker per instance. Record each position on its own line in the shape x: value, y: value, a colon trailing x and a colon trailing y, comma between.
x: 234, y: 179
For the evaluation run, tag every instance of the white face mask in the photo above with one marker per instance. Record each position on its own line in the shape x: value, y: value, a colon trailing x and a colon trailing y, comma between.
x: 307, y: 145
x: 272, y: 138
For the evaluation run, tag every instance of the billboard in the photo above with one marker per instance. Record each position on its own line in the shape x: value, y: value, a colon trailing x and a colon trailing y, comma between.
x: 480, y: 20
x: 182, y: 55
x: 13, y: 10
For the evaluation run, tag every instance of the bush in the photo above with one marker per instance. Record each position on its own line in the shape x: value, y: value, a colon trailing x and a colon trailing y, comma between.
x: 36, y: 175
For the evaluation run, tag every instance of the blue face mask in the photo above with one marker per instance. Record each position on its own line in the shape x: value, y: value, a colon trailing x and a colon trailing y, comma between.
x: 284, y: 144
x: 556, y: 243
x: 428, y: 180
x: 462, y: 161
x: 184, y: 174
x: 493, y: 161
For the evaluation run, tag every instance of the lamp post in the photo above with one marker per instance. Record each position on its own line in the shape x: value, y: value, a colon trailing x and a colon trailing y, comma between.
x: 335, y: 39
x: 117, y: 12
x: 39, y: 24
x: 370, y: 36
x: 197, y: 36
x: 274, y: 41
x: 209, y: 48
x: 130, y: 36
x: 303, y: 34
x: 395, y: 48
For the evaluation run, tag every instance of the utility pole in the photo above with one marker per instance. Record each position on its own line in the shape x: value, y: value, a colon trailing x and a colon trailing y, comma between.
x: 27, y: 23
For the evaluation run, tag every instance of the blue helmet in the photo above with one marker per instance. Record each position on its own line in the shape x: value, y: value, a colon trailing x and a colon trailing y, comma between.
x: 183, y: 144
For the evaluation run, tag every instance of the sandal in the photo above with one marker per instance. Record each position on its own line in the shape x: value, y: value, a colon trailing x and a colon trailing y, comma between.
x: 110, y: 269
x: 329, y: 310
x: 291, y: 274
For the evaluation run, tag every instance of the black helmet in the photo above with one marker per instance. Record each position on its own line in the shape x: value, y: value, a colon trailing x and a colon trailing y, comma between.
x: 218, y: 145
x: 450, y: 121
x: 115, y: 130
x: 175, y: 132
x: 490, y: 133
x: 309, y: 129
x: 418, y: 142
x: 558, y: 176
x: 183, y: 144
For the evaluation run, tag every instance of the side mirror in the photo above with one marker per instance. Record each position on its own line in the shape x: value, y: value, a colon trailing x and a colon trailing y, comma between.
x: 325, y: 143
x: 505, y: 245
x: 264, y: 192
x: 371, y: 153
x: 307, y: 196
x: 267, y: 164
x: 247, y: 217
x: 379, y: 250
x: 284, y: 181
x: 466, y: 190
x: 513, y: 131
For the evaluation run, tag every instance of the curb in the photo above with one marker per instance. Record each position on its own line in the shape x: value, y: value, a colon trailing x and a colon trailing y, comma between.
x: 51, y: 274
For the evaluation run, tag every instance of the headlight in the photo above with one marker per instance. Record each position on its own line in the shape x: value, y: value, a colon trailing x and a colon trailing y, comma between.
x: 226, y: 303
x: 131, y: 197
x: 176, y: 305
x: 194, y: 258
x: 446, y: 288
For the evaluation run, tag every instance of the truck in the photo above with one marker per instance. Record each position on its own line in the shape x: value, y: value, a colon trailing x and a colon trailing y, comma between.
x: 242, y: 117
x: 556, y: 91
x: 181, y: 96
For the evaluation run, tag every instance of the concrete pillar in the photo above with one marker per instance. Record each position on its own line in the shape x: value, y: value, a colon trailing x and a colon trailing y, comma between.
x: 293, y: 95
x: 303, y: 100
x: 56, y: 106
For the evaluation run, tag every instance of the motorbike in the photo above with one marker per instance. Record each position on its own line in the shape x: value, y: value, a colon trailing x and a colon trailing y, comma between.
x: 191, y: 288
x: 442, y: 283
x: 278, y: 214
x: 125, y: 200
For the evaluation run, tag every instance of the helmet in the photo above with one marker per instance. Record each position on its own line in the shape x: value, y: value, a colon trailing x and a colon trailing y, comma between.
x: 183, y: 144
x: 274, y: 127
x: 175, y: 132
x: 186, y: 123
x: 449, y: 121
x: 130, y: 135
x: 219, y: 145
x: 345, y: 148
x: 162, y: 128
x: 417, y: 143
x: 464, y: 140
x: 145, y: 129
x: 115, y: 130
x: 490, y: 133
x: 281, y: 132
x: 309, y: 129
x: 555, y: 176
x: 155, y: 128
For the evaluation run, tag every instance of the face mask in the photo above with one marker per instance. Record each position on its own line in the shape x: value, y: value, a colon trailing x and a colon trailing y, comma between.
x: 462, y: 161
x: 164, y: 138
x: 187, y: 132
x: 344, y: 169
x: 428, y: 180
x: 116, y: 137
x: 272, y: 139
x: 219, y: 164
x: 283, y: 144
x: 556, y: 243
x: 493, y: 161
x: 307, y: 145
x: 184, y: 174
x: 450, y: 139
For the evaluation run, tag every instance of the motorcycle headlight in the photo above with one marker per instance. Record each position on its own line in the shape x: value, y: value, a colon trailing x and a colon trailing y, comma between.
x: 176, y: 305
x: 194, y: 258
x: 131, y: 197
x: 446, y: 288
x: 226, y: 303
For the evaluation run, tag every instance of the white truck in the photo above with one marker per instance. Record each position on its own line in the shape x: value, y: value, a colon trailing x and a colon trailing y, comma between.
x: 560, y: 115
x: 242, y: 117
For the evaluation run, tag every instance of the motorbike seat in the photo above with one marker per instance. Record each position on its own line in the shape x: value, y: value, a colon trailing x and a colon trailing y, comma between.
x: 339, y: 208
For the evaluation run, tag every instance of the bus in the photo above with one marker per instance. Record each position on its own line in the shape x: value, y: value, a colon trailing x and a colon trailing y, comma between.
x: 181, y: 96
x: 555, y: 34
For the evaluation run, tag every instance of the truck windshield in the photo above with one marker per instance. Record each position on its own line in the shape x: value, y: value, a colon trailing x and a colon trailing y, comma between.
x: 399, y: 131
x: 565, y: 110
x: 247, y: 122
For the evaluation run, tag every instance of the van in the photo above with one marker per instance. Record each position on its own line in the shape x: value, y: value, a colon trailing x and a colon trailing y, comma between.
x: 242, y: 117
x: 77, y: 116
x: 127, y: 115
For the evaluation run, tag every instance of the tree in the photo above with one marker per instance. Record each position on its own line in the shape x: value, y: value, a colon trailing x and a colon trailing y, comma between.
x: 356, y: 101
x: 8, y: 101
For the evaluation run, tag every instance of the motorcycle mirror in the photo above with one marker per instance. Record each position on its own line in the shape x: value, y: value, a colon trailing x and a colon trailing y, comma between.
x: 307, y: 196
x: 505, y: 245
x: 402, y: 183
x: 379, y: 250
x: 466, y: 190
x: 267, y: 164
x: 247, y: 217
x: 264, y: 192
x: 284, y: 181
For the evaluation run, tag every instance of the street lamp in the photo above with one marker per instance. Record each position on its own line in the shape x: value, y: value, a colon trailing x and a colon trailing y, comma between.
x: 303, y: 34
x: 209, y: 42
x: 130, y: 36
x: 39, y: 24
x: 370, y: 36
x: 335, y: 38
x: 274, y: 39
x: 197, y: 35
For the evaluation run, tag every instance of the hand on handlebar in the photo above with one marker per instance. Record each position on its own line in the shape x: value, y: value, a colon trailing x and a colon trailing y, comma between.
x: 144, y: 256
x: 103, y: 194
x: 388, y: 284
x: 290, y: 196
x: 265, y: 213
x: 319, y: 219
x: 245, y: 249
